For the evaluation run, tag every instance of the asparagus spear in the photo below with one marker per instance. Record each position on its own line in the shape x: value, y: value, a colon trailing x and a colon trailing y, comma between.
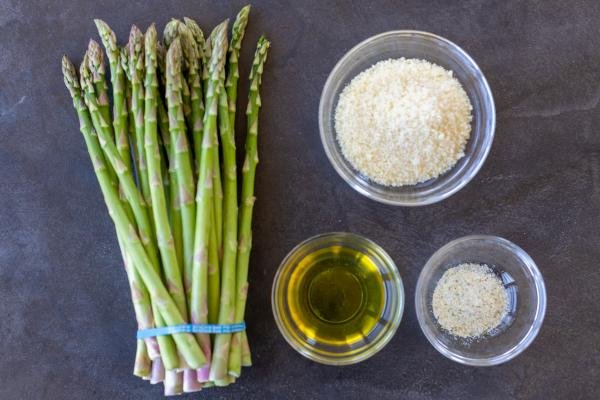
x: 215, y: 238
x: 233, y: 75
x: 222, y: 343
x: 171, y: 32
x: 217, y: 185
x: 97, y: 67
x: 214, y: 276
x: 124, y: 61
x: 174, y: 206
x: 246, y: 356
x: 191, y: 57
x: 109, y: 41
x: 198, y: 35
x: 148, y: 350
x: 153, y: 157
x: 174, y: 382
x: 139, y: 294
x: 181, y: 156
x: 158, y: 372
x: 136, y: 201
x: 143, y: 364
x: 247, y: 202
x: 133, y: 245
x: 199, y: 306
x: 136, y: 71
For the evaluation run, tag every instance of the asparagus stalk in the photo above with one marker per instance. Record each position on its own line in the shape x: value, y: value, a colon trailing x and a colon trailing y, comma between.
x: 198, y: 37
x: 133, y: 244
x: 163, y: 116
x: 173, y: 383
x: 194, y: 79
x: 93, y: 65
x: 171, y: 32
x: 135, y: 199
x: 218, y: 188
x: 190, y: 381
x: 222, y: 343
x: 136, y: 71
x: 124, y: 61
x: 214, y: 276
x: 199, y: 306
x: 247, y: 202
x: 143, y: 365
x: 246, y: 355
x: 158, y: 372
x: 145, y: 351
x: 203, y: 58
x: 181, y: 157
x: 233, y: 75
x: 98, y: 69
x: 159, y: 208
x: 109, y: 41
x: 122, y: 103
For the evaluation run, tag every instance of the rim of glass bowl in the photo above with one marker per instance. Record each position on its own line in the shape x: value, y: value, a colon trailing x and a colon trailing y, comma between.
x: 350, y: 176
x: 371, y: 348
x: 533, y: 330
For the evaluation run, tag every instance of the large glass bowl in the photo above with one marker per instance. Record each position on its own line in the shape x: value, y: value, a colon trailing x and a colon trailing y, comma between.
x: 526, y: 300
x: 349, y: 352
x: 427, y: 46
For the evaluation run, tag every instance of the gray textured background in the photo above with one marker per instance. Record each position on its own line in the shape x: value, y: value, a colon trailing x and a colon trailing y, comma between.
x: 66, y: 323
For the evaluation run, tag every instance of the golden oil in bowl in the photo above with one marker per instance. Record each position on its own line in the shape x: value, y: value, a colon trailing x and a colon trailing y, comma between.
x: 336, y: 295
x: 337, y: 298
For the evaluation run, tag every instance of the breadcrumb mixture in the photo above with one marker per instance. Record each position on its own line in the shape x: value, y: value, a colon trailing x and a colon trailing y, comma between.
x: 403, y: 121
x: 469, y: 300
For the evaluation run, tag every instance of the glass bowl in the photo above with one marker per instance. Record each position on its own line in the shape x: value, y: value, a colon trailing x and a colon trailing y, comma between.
x: 369, y: 343
x: 427, y: 46
x: 526, y: 300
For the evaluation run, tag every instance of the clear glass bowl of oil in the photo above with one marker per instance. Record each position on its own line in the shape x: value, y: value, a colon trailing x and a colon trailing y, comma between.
x: 337, y: 298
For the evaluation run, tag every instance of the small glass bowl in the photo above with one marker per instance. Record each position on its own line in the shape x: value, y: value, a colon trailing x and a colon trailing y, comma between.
x: 427, y: 46
x: 380, y: 335
x: 526, y: 300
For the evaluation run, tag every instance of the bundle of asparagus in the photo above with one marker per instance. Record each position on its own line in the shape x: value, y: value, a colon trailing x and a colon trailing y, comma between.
x: 165, y: 158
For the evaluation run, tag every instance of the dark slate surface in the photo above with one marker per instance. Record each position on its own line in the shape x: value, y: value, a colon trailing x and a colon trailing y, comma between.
x: 66, y: 323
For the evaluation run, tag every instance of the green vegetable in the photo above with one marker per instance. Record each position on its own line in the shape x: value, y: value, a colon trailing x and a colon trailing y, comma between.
x: 126, y: 229
x: 247, y: 203
x: 199, y: 306
x: 181, y: 157
x: 160, y: 131
x: 153, y: 156
x: 233, y: 75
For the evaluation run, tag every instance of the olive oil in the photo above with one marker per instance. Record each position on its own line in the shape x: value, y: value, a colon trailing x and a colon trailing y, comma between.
x: 336, y: 296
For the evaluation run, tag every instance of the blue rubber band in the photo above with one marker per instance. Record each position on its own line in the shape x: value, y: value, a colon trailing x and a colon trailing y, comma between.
x: 191, y: 328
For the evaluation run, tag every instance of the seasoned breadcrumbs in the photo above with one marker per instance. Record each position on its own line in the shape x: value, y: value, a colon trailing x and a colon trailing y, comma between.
x: 469, y: 300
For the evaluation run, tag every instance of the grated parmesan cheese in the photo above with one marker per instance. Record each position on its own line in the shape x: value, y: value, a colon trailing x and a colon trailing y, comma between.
x: 403, y: 121
x: 469, y: 300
